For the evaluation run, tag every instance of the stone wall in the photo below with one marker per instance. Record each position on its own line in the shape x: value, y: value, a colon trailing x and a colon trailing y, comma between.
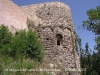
x: 55, y: 18
x: 12, y: 15
x: 50, y: 19
x: 51, y: 14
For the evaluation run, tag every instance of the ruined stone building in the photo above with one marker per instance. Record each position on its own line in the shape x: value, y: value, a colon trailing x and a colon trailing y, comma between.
x: 52, y: 22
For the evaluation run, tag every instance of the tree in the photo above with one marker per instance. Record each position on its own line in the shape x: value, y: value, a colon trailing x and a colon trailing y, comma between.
x: 88, y: 60
x: 93, y: 22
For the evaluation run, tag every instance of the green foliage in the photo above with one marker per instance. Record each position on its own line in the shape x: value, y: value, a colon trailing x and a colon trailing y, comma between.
x: 97, y: 40
x: 5, y: 35
x: 93, y: 22
x: 23, y: 44
x: 7, y: 64
x: 34, y: 46
x: 18, y: 44
x: 19, y: 51
x: 5, y: 38
x: 88, y: 60
x: 46, y: 73
x: 91, y: 60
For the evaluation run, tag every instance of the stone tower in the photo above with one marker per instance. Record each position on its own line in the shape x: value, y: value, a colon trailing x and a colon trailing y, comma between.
x: 52, y: 22
x: 55, y: 29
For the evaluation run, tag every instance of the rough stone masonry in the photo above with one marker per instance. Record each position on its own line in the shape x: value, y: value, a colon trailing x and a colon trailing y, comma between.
x: 52, y: 22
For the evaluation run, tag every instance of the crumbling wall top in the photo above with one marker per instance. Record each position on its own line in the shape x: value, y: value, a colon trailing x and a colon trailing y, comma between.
x: 50, y: 14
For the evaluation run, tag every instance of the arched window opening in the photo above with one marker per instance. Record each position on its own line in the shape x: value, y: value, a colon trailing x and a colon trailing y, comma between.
x: 59, y: 39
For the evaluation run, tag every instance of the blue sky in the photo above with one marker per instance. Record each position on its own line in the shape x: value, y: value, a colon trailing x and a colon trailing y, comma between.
x: 78, y: 11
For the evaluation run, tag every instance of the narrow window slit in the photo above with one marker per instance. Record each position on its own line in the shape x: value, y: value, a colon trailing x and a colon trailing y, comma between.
x: 59, y: 39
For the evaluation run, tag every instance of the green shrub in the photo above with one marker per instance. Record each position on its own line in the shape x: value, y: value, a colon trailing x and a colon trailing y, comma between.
x: 18, y: 45
x: 34, y: 46
x: 5, y: 35
x: 21, y: 45
x: 27, y: 45
x: 5, y: 38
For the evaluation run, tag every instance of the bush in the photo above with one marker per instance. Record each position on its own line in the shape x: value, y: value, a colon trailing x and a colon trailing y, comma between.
x: 5, y: 39
x: 23, y: 44
x: 34, y: 46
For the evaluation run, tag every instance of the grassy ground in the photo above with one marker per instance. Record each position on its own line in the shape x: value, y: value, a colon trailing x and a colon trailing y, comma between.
x: 10, y: 66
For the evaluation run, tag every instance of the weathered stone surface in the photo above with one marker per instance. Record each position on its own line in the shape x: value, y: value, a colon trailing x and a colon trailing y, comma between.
x: 54, y: 18
x: 51, y: 14
x: 53, y: 23
x: 12, y: 15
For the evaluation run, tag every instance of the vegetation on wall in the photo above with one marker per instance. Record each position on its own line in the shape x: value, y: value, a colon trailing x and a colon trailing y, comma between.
x: 30, y: 23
